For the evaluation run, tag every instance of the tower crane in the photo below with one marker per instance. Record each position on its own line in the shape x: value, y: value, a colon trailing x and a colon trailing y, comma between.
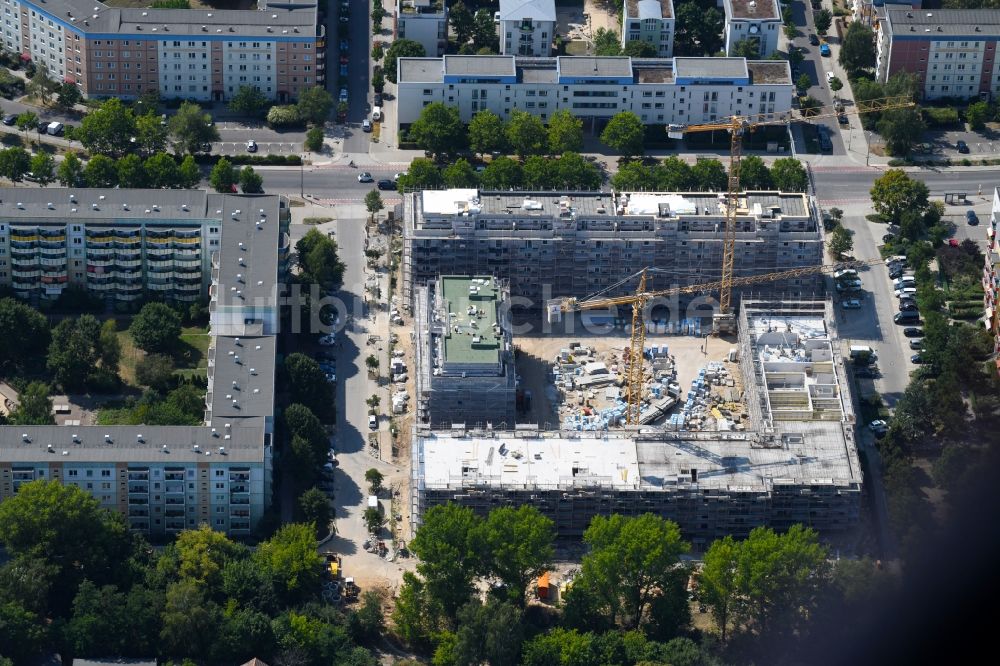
x: 638, y: 301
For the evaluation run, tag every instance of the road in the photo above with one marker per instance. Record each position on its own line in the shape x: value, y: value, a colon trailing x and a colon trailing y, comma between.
x: 359, y: 75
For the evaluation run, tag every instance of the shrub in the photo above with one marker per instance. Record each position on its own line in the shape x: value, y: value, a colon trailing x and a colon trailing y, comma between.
x: 284, y: 116
x: 939, y: 116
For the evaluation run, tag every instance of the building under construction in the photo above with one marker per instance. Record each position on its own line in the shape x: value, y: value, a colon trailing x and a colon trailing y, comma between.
x: 549, y: 245
x: 464, y: 356
x: 794, y: 461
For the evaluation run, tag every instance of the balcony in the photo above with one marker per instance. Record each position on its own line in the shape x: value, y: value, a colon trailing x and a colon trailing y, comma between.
x: 138, y: 476
x: 143, y: 489
x: 174, y: 476
x: 174, y: 525
x: 138, y: 501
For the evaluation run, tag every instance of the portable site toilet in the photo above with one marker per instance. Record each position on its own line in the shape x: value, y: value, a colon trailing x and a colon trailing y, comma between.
x: 543, y: 586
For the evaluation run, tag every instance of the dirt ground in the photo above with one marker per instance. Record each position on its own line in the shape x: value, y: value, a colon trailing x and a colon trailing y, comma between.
x: 537, y: 353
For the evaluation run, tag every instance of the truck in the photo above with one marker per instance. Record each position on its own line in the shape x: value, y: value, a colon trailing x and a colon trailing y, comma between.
x: 862, y: 354
x: 54, y: 129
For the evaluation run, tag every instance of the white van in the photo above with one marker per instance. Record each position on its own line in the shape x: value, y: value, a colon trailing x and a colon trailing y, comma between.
x: 376, y: 114
x: 862, y: 350
x: 54, y: 129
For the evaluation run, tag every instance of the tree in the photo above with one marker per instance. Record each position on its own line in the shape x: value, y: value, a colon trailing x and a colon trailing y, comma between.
x: 249, y: 101
x: 315, y: 104
x: 26, y: 121
x: 68, y: 96
x: 490, y: 633
x: 575, y: 173
x: 486, y: 133
x: 161, y: 171
x: 439, y: 129
x: 459, y: 174
x: 109, y: 348
x: 43, y: 168
x: 374, y: 479
x: 638, y: 48
x: 417, y: 615
x: 709, y: 175
x: 22, y: 634
x: 977, y: 114
x: 462, y: 21
x: 190, y: 620
x: 895, y: 192
x: 70, y: 171
x: 702, y: 33
x: 315, y: 509
x: 747, y: 48
x: 131, y: 172
x: 502, y: 173
x: 519, y: 543
x: 74, y: 351
x: 373, y: 203
x: 310, y: 388
x: 41, y: 85
x: 423, y: 174
x: 100, y: 171
x: 565, y: 133
x: 625, y: 133
x: 188, y: 173
x: 108, y: 131
x: 841, y: 242
x: 191, y: 128
x: 718, y: 584
x: 155, y: 371
x: 14, y: 163
x: 526, y: 134
x: 804, y: 82
x: 630, y: 561
x: 448, y: 546
x: 98, y: 620
x: 378, y: 51
x: 607, y: 43
x: 540, y: 173
x: 401, y: 48
x: 223, y: 176
x: 788, y: 175
x: 150, y: 134
x: 156, y: 328
x: 822, y: 20
x: 378, y: 81
x: 857, y: 51
x: 25, y: 332
x: 635, y: 176
x: 809, y: 105
x: 291, y: 557
x: 673, y: 175
x: 35, y: 406
x: 754, y: 174
x: 836, y: 84
x: 251, y: 182
x: 314, y: 140
x: 484, y: 34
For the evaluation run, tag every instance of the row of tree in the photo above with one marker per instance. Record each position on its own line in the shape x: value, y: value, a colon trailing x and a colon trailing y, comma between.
x: 78, y: 582
x: 570, y: 171
x: 709, y: 175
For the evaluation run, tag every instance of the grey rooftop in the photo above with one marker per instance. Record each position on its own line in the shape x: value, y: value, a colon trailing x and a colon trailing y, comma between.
x: 941, y: 22
x: 710, y: 67
x: 584, y: 66
x: 473, y: 65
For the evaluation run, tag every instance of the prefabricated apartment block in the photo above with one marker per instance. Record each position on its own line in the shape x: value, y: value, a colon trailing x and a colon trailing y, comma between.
x: 165, y: 478
x: 200, y: 54
x: 548, y: 245
x: 464, y: 354
x: 796, y: 462
x: 595, y: 88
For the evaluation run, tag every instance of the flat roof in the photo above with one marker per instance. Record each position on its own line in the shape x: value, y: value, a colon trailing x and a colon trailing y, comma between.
x: 420, y: 70
x: 752, y: 9
x: 588, y: 66
x: 243, y: 377
x: 470, y: 339
x: 769, y: 71
x: 662, y: 74
x: 720, y: 68
x: 474, y: 65
x: 650, y: 9
x: 937, y: 23
x: 123, y: 206
x: 248, y: 249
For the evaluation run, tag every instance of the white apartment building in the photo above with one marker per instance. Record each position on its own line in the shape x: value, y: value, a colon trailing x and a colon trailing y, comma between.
x: 756, y: 20
x: 424, y: 22
x: 651, y: 21
x: 527, y: 27
x: 953, y: 53
x: 664, y: 91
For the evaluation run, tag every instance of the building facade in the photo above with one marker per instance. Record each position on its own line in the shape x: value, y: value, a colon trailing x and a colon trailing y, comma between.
x: 425, y: 22
x: 464, y: 353
x: 527, y: 27
x: 663, y: 91
x: 796, y: 461
x: 650, y: 21
x: 204, y: 55
x: 168, y: 478
x: 756, y: 21
x: 549, y: 245
x: 991, y: 278
x: 952, y: 52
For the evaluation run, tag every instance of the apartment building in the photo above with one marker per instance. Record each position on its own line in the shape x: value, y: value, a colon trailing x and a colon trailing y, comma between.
x: 651, y: 21
x: 204, y: 55
x: 757, y: 21
x: 548, y: 245
x: 527, y: 27
x: 659, y: 91
x: 168, y: 478
x: 425, y: 22
x: 464, y: 352
x: 953, y: 52
x: 795, y: 462
x: 991, y: 277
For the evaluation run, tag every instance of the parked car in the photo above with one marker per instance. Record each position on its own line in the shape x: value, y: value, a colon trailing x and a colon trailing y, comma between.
x: 813, y: 40
x: 908, y: 306
x: 366, y: 125
x: 907, y: 317
x: 971, y: 217
x: 344, y: 59
x: 842, y: 119
x: 386, y: 184
x: 251, y: 146
x: 395, y: 177
x: 345, y: 45
x: 824, y: 50
x: 377, y: 99
x: 953, y: 242
x: 372, y: 422
x: 343, y: 69
x: 912, y: 332
x: 962, y: 147
x: 849, y: 285
x: 845, y: 273
x: 327, y: 340
x: 830, y: 76
x: 343, y: 94
x: 888, y: 238
x: 825, y: 144
x: 917, y: 344
x: 879, y: 427
x: 917, y: 358
x: 852, y: 304
x: 365, y: 177
x: 43, y: 126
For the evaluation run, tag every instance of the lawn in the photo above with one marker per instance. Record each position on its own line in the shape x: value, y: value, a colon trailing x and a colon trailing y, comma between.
x: 191, y: 355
